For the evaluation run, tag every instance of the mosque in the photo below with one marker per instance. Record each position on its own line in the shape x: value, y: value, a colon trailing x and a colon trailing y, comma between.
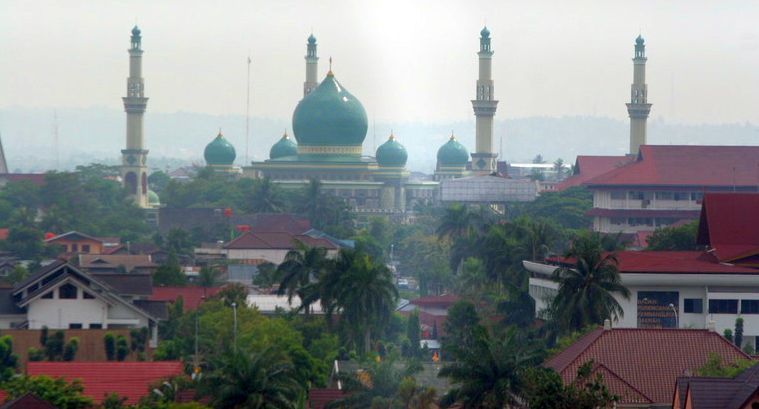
x: 329, y: 126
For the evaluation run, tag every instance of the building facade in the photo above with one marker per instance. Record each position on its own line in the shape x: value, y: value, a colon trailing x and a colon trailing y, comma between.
x: 134, y: 170
x: 638, y: 108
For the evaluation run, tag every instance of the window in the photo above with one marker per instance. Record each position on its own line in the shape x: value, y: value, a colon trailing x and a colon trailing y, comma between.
x: 75, y: 326
x: 87, y: 296
x: 697, y: 196
x: 664, y: 195
x: 749, y: 306
x: 85, y: 248
x: 618, y: 220
x: 682, y: 196
x: 48, y: 295
x: 74, y: 248
x: 96, y: 326
x: 617, y: 195
x: 67, y: 292
x: 693, y: 306
x: 636, y: 195
x: 723, y: 306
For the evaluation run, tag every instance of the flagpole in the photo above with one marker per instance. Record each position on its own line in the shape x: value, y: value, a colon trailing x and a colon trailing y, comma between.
x: 247, y: 117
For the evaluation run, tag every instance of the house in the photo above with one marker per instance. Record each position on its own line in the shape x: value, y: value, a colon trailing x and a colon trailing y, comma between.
x: 273, y: 246
x: 62, y: 296
x: 269, y: 304
x: 131, y: 380
x: 27, y: 401
x: 666, y: 183
x: 728, y: 227
x: 702, y: 392
x: 116, y: 263
x: 192, y: 296
x: 433, y: 310
x: 641, y: 366
x: 75, y: 242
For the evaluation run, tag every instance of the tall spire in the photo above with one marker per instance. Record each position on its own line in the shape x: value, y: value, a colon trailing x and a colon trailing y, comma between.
x: 312, y: 66
x: 134, y: 170
x: 484, y: 157
x: 3, y: 163
x: 638, y: 108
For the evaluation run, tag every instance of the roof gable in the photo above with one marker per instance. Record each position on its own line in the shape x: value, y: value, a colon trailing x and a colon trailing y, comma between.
x: 276, y: 241
x: 72, y: 235
x: 588, y: 167
x: 728, y: 224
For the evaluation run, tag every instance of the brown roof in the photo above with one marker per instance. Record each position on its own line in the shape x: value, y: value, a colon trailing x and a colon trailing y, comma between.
x: 319, y: 398
x: 728, y: 224
x: 718, y: 393
x: 276, y: 240
x: 683, y: 262
x: 129, y: 261
x: 588, y: 167
x: 647, y: 360
x: 127, y: 284
x: 27, y: 401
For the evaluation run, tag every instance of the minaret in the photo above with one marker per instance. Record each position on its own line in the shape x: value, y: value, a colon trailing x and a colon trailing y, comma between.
x: 312, y: 65
x: 3, y: 163
x: 638, y: 108
x: 133, y: 167
x: 484, y: 157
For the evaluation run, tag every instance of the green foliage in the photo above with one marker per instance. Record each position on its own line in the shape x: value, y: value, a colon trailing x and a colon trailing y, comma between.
x: 170, y: 273
x: 208, y: 277
x: 586, y: 291
x: 138, y: 339
x: 265, y: 379
x: 35, y: 354
x: 70, y: 349
x: 681, y: 237
x: 61, y: 394
x: 739, y: 332
x: 109, y: 341
x: 715, y: 367
x: 122, y: 348
x: 267, y: 276
x: 234, y: 293
x: 567, y: 208
x: 18, y: 274
x: 8, y: 360
x: 565, y: 341
x: 114, y: 401
x: 413, y: 333
x: 543, y: 388
x: 728, y: 334
x: 158, y: 181
x: 54, y: 346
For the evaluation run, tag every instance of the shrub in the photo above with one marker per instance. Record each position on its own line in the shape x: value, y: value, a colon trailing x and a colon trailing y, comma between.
x: 110, y: 346
x: 69, y: 351
x: 122, y: 348
x: 35, y: 354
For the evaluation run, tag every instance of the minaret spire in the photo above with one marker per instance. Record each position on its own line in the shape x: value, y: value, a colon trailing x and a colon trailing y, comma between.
x: 134, y: 157
x: 638, y: 108
x: 3, y: 163
x: 312, y: 66
x: 484, y: 157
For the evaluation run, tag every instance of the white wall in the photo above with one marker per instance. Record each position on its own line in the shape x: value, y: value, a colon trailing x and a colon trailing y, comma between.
x: 58, y: 314
x: 276, y: 256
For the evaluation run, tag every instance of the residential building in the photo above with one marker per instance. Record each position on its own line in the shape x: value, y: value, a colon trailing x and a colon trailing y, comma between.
x: 116, y: 263
x: 192, y: 296
x: 432, y: 310
x: 62, y: 296
x: 707, y: 392
x: 272, y: 246
x: 588, y: 167
x: 75, y: 242
x: 131, y: 380
x: 666, y: 183
x: 26, y: 401
x: 641, y: 366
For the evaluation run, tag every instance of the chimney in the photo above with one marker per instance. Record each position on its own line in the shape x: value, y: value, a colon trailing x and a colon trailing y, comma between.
x: 607, y: 324
x: 711, y: 326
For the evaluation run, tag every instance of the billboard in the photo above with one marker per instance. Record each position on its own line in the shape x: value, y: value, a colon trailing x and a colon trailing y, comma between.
x: 656, y: 309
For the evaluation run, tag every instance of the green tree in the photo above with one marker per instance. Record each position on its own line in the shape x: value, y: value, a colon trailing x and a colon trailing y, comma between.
x: 122, y: 348
x: 365, y: 294
x: 739, y: 332
x: 413, y: 333
x: 61, y: 394
x: 302, y: 267
x: 543, y: 388
x: 728, y: 334
x: 488, y: 374
x: 682, y: 237
x: 586, y: 291
x: 566, y: 208
x: 8, y: 360
x: 376, y: 385
x: 158, y: 180
x: 109, y: 341
x: 208, y: 277
x: 170, y: 273
x: 266, y: 197
x: 461, y: 327
x: 254, y: 381
x: 715, y: 367
x: 70, y: 349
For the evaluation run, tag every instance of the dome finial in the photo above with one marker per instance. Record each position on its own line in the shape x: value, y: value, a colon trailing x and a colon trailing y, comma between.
x: 392, y: 137
x: 329, y: 73
x: 220, y: 134
x: 284, y: 136
x: 453, y: 137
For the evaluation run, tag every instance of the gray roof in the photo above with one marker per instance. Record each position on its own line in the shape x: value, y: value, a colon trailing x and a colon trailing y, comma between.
x: 127, y: 284
x: 156, y: 309
x: 7, y: 303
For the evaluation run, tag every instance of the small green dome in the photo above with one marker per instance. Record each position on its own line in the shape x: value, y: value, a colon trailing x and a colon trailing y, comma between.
x: 391, y: 153
x: 330, y: 116
x: 219, y: 152
x: 311, y: 39
x: 452, y: 154
x: 153, y: 199
x: 485, y: 32
x: 639, y: 40
x: 283, y: 147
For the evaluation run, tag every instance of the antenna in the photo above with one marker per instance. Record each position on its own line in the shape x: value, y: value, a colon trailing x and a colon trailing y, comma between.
x: 247, y: 115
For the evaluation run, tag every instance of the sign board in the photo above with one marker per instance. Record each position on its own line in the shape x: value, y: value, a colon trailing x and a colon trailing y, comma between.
x: 654, y: 310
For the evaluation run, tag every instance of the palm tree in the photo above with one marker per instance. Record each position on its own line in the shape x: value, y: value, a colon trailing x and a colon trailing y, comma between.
x: 456, y: 222
x: 487, y: 374
x: 245, y: 380
x: 266, y: 197
x: 300, y: 270
x: 208, y: 277
x: 365, y: 294
x: 312, y: 200
x: 586, y: 292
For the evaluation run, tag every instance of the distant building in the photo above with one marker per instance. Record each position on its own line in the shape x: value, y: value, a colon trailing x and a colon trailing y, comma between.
x: 75, y: 242
x: 272, y: 246
x: 709, y: 392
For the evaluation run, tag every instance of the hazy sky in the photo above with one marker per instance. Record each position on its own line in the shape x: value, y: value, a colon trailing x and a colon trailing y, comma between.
x: 405, y: 60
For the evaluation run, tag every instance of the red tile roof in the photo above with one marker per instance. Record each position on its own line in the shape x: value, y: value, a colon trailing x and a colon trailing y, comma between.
x: 729, y: 224
x: 645, y: 363
x: 27, y: 401
x: 677, y: 214
x: 4, y: 234
x: 128, y: 379
x: 444, y: 301
x: 192, y: 296
x: 694, y: 262
x: 35, y: 178
x: 683, y: 165
x: 319, y: 398
x: 276, y: 240
x: 588, y: 167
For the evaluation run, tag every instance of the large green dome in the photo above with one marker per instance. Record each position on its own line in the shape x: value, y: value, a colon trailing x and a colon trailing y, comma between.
x: 330, y: 116
x: 219, y: 152
x: 452, y: 154
x: 391, y: 153
x: 283, y: 147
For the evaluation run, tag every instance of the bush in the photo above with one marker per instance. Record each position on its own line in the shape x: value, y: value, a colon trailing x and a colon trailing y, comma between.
x: 122, y: 348
x: 35, y: 354
x: 69, y: 351
x: 110, y: 346
x: 54, y: 346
